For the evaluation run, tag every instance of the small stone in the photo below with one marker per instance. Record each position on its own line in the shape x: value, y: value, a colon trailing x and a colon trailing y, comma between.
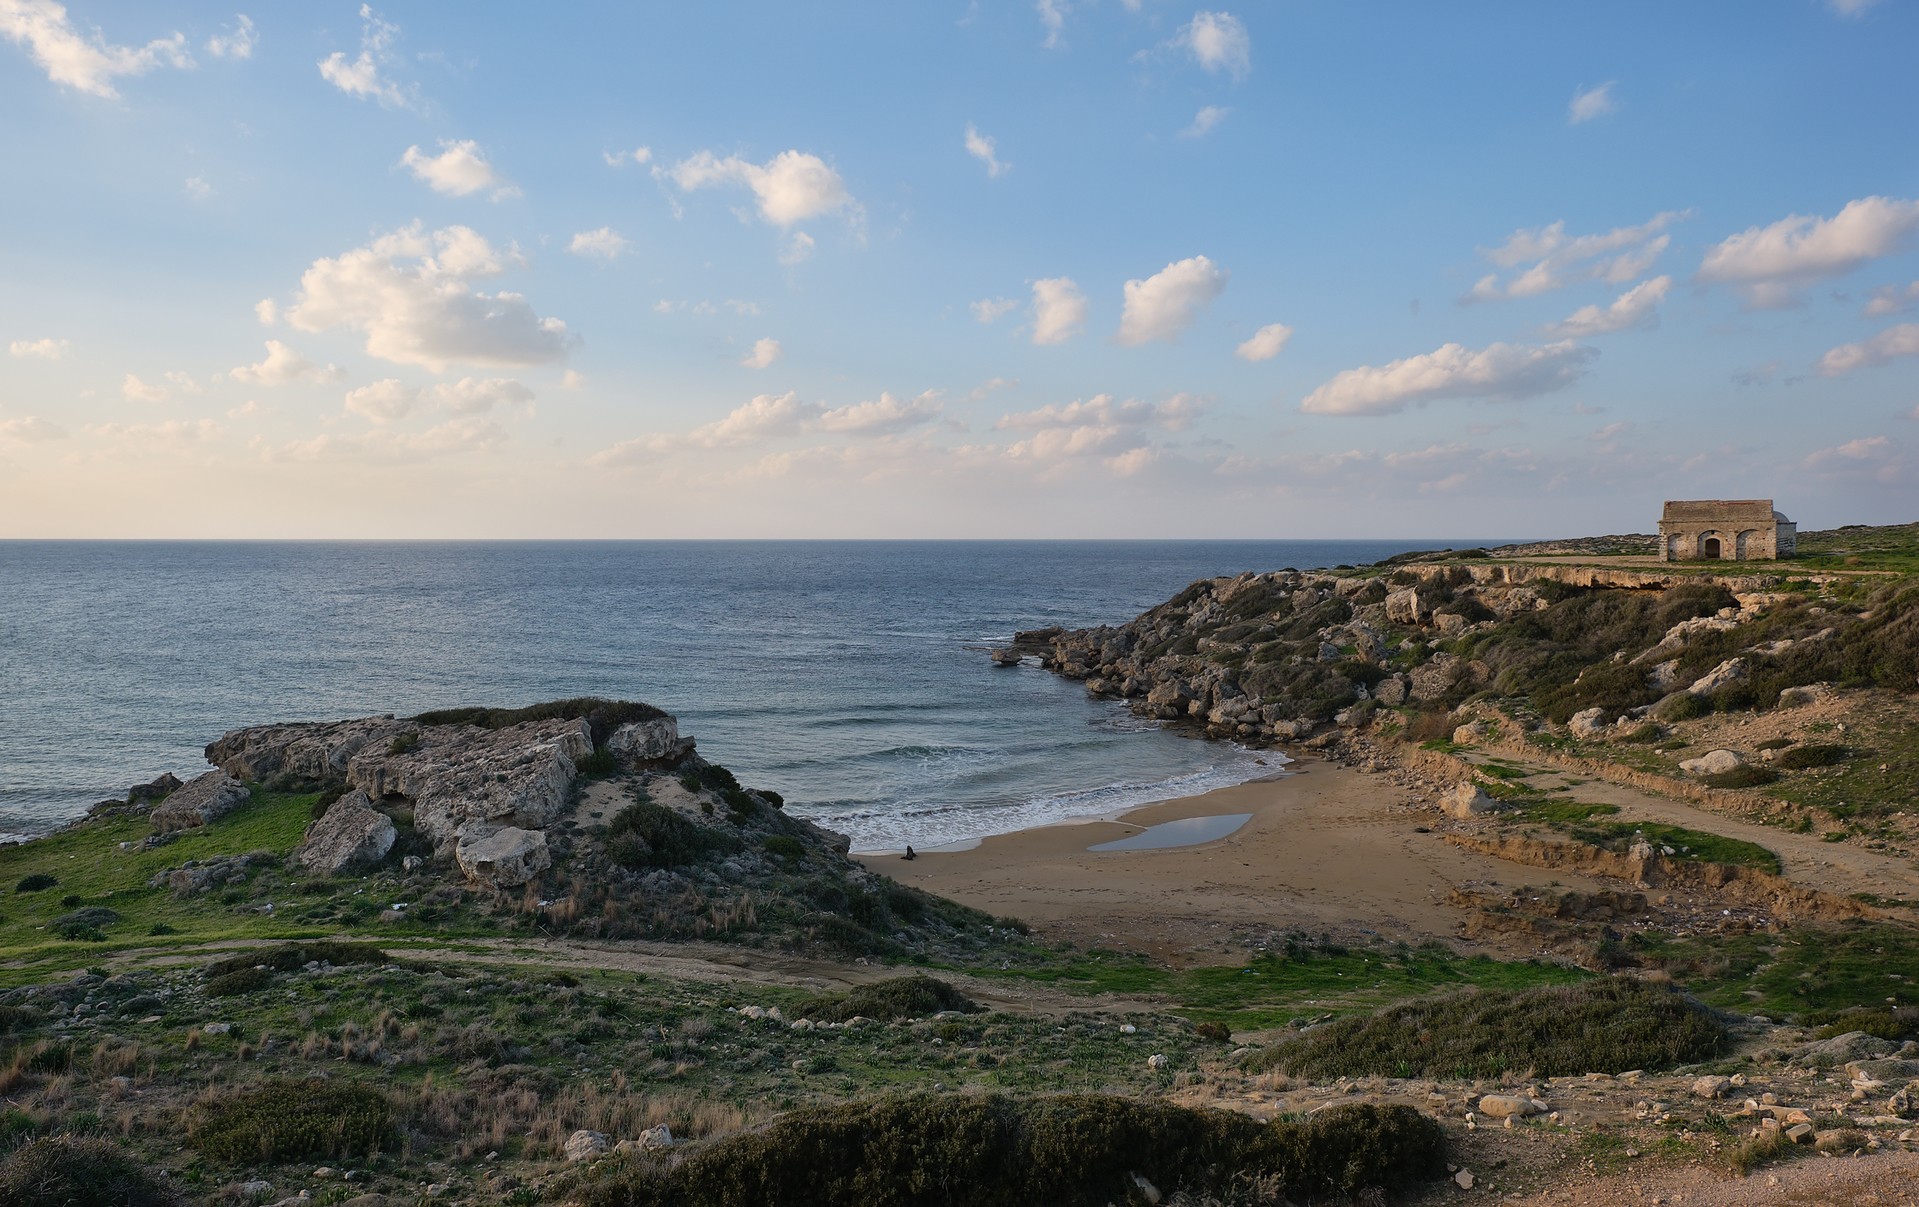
x: 583, y: 1145
x: 217, y: 1028
x: 1156, y: 1062
x: 326, y: 1171
x: 657, y: 1137
x: 1509, y: 1106
x: 1464, y: 1179
x: 1711, y: 1087
x: 1800, y: 1133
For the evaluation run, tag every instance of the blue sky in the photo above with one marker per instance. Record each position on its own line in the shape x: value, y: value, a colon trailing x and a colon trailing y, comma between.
x: 943, y: 269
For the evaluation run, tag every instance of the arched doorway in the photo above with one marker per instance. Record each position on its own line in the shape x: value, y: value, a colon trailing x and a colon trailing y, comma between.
x: 1709, y: 548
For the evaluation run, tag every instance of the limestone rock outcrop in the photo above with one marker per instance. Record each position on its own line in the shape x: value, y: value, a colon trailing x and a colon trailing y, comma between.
x: 352, y: 833
x: 645, y: 741
x: 502, y: 857
x: 1467, y: 801
x: 201, y: 800
x: 1713, y: 762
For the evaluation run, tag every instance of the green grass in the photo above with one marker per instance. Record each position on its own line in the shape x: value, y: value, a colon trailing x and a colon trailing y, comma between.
x: 1272, y: 990
x: 1558, y: 813
x: 1807, y: 973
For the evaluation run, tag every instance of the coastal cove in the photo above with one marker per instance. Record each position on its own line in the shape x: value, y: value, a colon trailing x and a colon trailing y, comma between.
x: 847, y: 673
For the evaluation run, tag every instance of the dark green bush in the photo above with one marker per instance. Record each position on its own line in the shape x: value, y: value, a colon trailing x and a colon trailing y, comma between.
x: 1681, y: 706
x: 1895, y: 1023
x: 74, y: 1171
x: 308, y: 1120
x: 88, y: 925
x: 405, y: 743
x: 644, y: 835
x: 900, y: 997
x: 1749, y: 775
x: 35, y: 882
x: 786, y: 847
x: 599, y: 764
x: 1601, y: 1026
x: 602, y: 716
x: 289, y: 957
x: 1816, y: 754
x: 243, y: 980
x: 995, y: 1151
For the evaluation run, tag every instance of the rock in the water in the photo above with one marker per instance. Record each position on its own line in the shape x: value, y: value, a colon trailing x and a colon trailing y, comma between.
x: 1586, y: 723
x: 351, y: 833
x: 1468, y: 801
x: 1713, y: 762
x: 504, y: 857
x: 645, y: 741
x: 154, y: 789
x: 202, y: 800
x: 585, y: 1144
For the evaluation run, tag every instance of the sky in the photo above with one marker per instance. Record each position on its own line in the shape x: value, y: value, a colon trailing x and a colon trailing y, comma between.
x: 1060, y: 269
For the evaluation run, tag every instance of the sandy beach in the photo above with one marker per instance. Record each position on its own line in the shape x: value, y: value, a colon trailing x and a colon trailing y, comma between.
x: 1327, y: 849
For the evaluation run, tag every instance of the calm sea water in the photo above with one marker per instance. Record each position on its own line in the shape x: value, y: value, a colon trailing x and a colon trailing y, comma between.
x: 844, y: 674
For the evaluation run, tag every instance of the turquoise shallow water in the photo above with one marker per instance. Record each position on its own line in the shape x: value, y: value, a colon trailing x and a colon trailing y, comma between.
x: 844, y: 674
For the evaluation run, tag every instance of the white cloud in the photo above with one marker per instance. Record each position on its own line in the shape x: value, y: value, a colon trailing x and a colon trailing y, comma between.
x: 44, y: 349
x: 383, y: 401
x: 1052, y: 18
x: 282, y: 366
x: 183, y: 382
x: 1218, y: 42
x: 791, y: 187
x: 478, y: 396
x: 1555, y: 259
x: 1267, y: 342
x: 1590, y: 103
x: 991, y: 310
x: 459, y: 170
x: 1890, y: 344
x: 1868, y: 456
x: 605, y: 242
x: 412, y: 295
x: 1204, y: 121
x: 236, y: 43
x: 134, y: 390
x: 797, y: 248
x: 985, y: 149
x: 1103, y: 411
x: 1637, y: 307
x: 1505, y: 371
x: 1059, y: 310
x: 1892, y: 299
x: 1163, y: 305
x: 615, y: 159
x: 171, y: 431
x: 361, y: 77
x: 765, y: 417
x: 764, y: 353
x: 267, y: 311
x: 1766, y: 262
x: 31, y: 429
x: 249, y: 407
x: 198, y: 189
x: 88, y: 64
x: 384, y: 445
x: 882, y: 415
x: 1850, y: 9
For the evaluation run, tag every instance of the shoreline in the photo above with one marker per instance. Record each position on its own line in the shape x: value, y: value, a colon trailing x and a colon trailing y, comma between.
x: 1327, y: 850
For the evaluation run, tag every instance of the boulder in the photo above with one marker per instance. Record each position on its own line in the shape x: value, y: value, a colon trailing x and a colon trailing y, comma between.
x: 1843, y: 1049
x: 584, y: 1145
x: 1390, y: 692
x: 204, y: 799
x: 1467, y: 801
x: 1587, y: 723
x: 645, y: 741
x: 1711, y: 1087
x: 1432, y: 679
x: 1471, y: 733
x: 1713, y: 762
x: 1799, y: 697
x: 1727, y: 673
x: 155, y: 789
x: 1510, y: 1106
x: 503, y: 856
x: 1406, y: 607
x: 351, y: 833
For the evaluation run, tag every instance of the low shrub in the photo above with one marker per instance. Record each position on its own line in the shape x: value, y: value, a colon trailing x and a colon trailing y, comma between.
x: 786, y: 847
x: 75, y: 1171
x: 35, y: 882
x: 1895, y: 1023
x: 239, y: 981
x: 900, y: 997
x: 1217, y: 1032
x: 1762, y: 1149
x: 1748, y: 775
x: 288, y: 957
x: 1681, y: 706
x: 405, y: 743
x: 1603, y: 1026
x: 644, y: 835
x: 601, y: 716
x: 85, y: 925
x: 306, y: 1120
x: 598, y: 765
x: 1817, y: 754
x: 996, y: 1151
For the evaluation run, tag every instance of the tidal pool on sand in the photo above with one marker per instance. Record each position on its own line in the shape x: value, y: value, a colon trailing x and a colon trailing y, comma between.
x: 1186, y: 832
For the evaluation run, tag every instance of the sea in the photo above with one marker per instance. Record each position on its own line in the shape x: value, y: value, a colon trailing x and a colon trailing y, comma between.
x: 850, y: 676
